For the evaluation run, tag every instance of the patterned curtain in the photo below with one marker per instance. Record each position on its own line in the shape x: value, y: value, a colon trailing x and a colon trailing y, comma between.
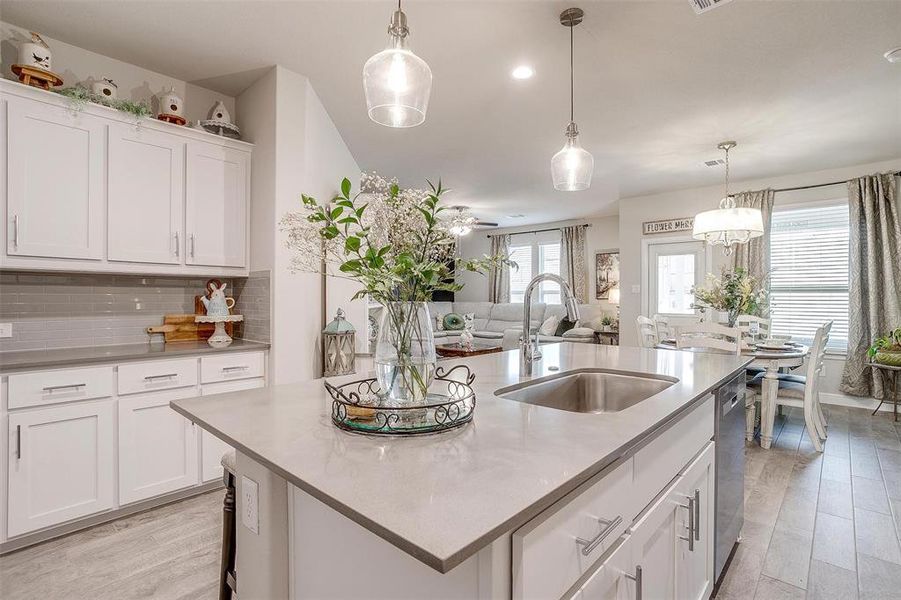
x: 874, y: 303
x: 572, y: 260
x: 499, y: 277
x: 754, y: 257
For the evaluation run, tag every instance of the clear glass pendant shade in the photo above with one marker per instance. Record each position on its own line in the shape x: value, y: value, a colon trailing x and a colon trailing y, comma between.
x: 572, y: 166
x: 397, y: 84
x: 728, y: 225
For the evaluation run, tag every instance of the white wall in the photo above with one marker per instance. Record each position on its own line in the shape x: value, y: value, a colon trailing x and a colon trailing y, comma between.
x: 602, y: 235
x: 685, y: 203
x: 76, y: 65
x: 298, y: 150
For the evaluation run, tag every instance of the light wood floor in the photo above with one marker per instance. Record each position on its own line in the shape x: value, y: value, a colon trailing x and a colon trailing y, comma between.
x: 825, y: 525
x: 817, y: 526
x: 167, y: 553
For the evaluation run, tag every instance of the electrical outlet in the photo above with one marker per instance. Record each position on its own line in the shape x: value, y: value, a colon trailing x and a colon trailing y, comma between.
x: 6, y: 330
x: 636, y: 289
x: 250, y: 504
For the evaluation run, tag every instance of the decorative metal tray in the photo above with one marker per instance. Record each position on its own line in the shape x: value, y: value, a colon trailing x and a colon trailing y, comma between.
x: 359, y: 406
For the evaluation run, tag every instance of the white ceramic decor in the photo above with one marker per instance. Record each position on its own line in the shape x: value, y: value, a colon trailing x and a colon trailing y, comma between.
x: 35, y: 53
x: 105, y: 88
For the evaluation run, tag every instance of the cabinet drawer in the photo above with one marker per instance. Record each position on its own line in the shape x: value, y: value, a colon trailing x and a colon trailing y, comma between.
x: 157, y: 375
x: 553, y: 550
x: 657, y: 463
x: 53, y: 387
x: 229, y: 367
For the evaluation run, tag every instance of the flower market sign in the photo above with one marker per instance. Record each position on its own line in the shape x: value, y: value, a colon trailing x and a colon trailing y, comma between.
x: 667, y: 226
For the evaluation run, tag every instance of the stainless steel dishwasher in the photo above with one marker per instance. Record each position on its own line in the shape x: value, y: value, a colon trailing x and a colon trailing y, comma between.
x: 729, y: 435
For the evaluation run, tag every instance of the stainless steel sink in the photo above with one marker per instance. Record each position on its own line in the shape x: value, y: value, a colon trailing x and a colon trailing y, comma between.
x: 588, y: 390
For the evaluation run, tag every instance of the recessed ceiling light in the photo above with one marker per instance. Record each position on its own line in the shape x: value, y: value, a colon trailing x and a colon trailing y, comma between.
x: 893, y: 55
x: 523, y: 72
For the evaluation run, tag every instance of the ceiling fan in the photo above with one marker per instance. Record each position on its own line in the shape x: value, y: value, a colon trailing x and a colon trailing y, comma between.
x: 461, y: 221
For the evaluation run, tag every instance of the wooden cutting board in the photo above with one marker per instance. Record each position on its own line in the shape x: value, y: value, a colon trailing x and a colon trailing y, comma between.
x: 182, y: 328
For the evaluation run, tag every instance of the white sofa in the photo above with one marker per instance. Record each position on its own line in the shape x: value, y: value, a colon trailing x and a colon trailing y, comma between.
x: 503, y: 322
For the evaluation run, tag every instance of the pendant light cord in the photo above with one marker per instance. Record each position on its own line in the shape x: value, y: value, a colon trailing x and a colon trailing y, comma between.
x: 571, y: 76
x: 727, y: 172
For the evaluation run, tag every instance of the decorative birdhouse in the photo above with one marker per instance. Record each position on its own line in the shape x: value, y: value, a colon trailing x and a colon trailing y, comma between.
x: 219, y: 122
x: 338, y: 343
x: 35, y: 53
x: 105, y: 88
x: 219, y: 113
x: 172, y: 107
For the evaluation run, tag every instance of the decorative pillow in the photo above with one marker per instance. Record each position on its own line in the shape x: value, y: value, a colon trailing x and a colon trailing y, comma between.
x: 469, y: 320
x: 453, y: 322
x: 439, y: 321
x: 564, y: 326
x: 549, y: 326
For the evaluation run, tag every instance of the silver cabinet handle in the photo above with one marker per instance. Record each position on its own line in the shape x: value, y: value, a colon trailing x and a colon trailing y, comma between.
x: 166, y: 376
x: 18, y: 441
x: 637, y: 579
x: 697, y: 514
x: 53, y: 388
x: 236, y: 368
x: 16, y: 231
x: 608, y: 526
x: 177, y: 250
x: 192, y: 245
x: 690, y: 507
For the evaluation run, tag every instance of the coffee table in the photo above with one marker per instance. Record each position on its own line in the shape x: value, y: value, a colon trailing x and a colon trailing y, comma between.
x: 456, y: 350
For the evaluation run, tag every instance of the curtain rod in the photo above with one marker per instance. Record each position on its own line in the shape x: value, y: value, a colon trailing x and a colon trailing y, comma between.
x: 819, y: 185
x: 538, y: 230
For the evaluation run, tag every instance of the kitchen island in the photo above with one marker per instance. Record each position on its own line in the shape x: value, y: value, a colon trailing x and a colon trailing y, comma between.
x: 527, y: 501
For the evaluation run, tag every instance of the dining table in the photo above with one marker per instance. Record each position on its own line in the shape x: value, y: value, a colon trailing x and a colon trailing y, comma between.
x: 772, y: 361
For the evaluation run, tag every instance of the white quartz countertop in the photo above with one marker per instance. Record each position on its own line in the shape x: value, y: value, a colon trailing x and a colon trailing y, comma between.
x: 443, y: 497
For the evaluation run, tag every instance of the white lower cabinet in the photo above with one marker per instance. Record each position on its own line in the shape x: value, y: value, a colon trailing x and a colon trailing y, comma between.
x: 613, y: 578
x: 61, y: 462
x: 212, y: 448
x: 695, y: 561
x: 157, y: 446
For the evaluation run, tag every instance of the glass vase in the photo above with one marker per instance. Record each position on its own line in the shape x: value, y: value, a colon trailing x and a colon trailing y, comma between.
x: 405, y: 352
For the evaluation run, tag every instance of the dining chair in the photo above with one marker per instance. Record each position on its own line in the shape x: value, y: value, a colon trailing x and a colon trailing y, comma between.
x: 746, y: 324
x: 664, y: 331
x: 647, y: 332
x: 803, y: 391
x: 708, y: 336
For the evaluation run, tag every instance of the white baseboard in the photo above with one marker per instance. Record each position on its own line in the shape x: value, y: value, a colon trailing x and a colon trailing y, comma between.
x: 853, y: 401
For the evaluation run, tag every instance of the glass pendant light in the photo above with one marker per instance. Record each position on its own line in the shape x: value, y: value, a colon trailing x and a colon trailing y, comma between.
x: 729, y: 224
x: 396, y: 82
x: 461, y: 223
x: 572, y: 166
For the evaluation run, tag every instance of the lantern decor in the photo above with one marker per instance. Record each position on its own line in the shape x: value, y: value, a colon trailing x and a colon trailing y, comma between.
x: 338, y: 347
x: 172, y: 107
x: 219, y: 122
x: 34, y: 64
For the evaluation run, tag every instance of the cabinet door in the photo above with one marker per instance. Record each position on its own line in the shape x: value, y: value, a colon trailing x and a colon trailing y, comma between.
x: 157, y: 446
x: 55, y: 181
x: 216, y: 205
x: 694, y: 562
x: 60, y: 464
x: 211, y: 447
x: 613, y: 579
x: 654, y: 539
x: 146, y: 195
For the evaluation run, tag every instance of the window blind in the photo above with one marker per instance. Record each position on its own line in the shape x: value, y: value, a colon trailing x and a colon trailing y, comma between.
x: 520, y: 278
x: 809, y: 272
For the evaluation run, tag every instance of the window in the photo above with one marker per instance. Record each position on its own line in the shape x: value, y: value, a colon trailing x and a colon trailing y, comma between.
x: 542, y: 253
x: 809, y: 272
x: 675, y: 278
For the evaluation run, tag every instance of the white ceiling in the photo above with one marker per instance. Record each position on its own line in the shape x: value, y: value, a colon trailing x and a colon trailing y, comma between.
x: 802, y: 85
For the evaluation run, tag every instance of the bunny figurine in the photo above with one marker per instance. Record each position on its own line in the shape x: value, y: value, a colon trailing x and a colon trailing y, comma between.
x: 217, y: 305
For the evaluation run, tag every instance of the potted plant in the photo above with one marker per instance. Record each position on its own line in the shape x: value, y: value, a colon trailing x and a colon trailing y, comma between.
x: 886, y: 350
x: 393, y: 243
x: 735, y: 293
x: 607, y: 323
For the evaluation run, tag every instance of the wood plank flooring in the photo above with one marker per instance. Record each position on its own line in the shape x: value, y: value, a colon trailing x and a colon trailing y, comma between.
x: 822, y: 526
x: 817, y: 526
x: 169, y: 553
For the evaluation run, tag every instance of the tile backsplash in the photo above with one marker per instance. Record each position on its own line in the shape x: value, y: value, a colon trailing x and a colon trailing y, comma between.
x: 55, y: 310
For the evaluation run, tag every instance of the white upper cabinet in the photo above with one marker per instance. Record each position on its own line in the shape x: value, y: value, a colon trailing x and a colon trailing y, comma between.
x: 88, y: 189
x: 146, y: 195
x: 216, y: 205
x: 55, y: 162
